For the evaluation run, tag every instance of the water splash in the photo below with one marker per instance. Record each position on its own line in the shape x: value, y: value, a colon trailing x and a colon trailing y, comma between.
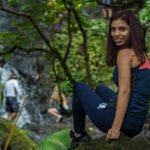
x: 5, y: 73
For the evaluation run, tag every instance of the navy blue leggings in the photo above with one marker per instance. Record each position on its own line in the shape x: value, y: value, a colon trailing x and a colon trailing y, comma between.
x: 95, y: 104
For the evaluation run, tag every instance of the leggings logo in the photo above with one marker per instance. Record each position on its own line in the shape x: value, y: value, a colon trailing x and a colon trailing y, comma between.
x: 102, y: 106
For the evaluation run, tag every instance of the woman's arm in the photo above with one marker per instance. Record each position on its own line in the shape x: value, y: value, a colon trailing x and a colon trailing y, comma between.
x: 124, y: 77
x: 63, y: 96
x: 51, y: 103
x: 65, y: 103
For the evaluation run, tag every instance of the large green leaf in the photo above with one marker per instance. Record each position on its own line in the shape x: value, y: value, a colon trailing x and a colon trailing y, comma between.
x: 56, y: 141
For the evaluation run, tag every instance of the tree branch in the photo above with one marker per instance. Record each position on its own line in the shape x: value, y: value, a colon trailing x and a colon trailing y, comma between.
x: 9, y: 51
x: 84, y: 44
x: 27, y: 50
x: 33, y: 23
x: 69, y: 31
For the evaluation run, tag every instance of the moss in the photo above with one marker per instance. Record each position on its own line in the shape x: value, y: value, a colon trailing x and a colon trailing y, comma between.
x: 125, y: 143
x: 19, y: 141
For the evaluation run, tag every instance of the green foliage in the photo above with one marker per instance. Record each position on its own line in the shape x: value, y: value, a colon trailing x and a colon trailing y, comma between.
x: 50, y: 14
x: 144, y: 17
x: 96, y: 33
x: 12, y: 2
x: 1, y: 93
x: 19, y: 140
x: 57, y: 141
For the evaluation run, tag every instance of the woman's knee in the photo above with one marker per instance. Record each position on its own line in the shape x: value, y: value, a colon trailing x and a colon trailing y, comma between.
x: 100, y: 88
x: 78, y: 86
x: 80, y: 90
x: 50, y: 110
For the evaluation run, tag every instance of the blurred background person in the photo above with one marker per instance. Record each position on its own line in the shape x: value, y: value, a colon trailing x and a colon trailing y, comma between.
x: 11, y: 91
x: 55, y: 103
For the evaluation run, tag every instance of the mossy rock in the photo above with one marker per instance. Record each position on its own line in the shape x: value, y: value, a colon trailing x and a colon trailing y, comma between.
x: 19, y: 141
x: 124, y: 143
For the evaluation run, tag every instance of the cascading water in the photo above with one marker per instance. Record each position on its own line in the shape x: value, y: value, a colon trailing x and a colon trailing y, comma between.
x: 34, y: 81
x: 5, y: 73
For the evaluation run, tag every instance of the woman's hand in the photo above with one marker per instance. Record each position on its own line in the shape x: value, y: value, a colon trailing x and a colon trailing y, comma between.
x: 113, y: 134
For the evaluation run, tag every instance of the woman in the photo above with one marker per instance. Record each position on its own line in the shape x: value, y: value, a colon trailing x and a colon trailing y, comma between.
x: 124, y: 111
x: 55, y: 108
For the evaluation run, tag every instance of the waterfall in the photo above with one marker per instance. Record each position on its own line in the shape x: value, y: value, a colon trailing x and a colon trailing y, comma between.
x: 5, y: 73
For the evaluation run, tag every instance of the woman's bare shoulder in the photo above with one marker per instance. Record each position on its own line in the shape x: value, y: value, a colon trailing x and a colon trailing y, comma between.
x: 124, y: 54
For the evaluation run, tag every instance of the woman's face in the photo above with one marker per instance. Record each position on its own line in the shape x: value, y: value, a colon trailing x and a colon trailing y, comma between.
x: 120, y: 32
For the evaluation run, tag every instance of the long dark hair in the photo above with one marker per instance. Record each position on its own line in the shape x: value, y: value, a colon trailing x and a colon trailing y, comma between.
x: 137, y: 40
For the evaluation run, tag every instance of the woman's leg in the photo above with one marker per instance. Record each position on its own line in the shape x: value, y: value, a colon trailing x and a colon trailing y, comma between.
x: 86, y: 101
x: 105, y: 93
x: 54, y: 112
x: 12, y: 115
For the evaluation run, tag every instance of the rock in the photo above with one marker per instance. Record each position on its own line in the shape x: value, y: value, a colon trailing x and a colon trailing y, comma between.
x: 140, y: 142
x: 19, y: 141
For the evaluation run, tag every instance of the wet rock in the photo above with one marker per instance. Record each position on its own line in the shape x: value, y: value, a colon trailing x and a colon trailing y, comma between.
x: 140, y: 142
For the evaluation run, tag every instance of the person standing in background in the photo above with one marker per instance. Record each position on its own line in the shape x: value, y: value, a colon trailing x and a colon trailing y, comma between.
x: 11, y: 91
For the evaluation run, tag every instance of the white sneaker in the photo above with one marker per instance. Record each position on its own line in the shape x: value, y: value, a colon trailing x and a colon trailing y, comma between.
x: 59, y: 118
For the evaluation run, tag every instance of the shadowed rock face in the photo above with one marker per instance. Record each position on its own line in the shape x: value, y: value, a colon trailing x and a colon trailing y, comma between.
x: 140, y: 142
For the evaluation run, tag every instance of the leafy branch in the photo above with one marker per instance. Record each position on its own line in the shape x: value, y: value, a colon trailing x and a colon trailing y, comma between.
x: 53, y: 50
x: 84, y: 44
x: 33, y: 23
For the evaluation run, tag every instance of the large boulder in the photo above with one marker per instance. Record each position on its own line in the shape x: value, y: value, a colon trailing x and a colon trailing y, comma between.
x: 140, y: 142
x: 19, y: 141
